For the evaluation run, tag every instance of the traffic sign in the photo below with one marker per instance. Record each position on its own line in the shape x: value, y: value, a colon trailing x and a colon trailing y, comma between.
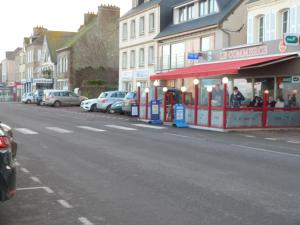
x: 291, y: 39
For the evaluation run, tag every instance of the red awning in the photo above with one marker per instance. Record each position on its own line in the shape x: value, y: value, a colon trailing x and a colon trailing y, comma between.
x: 216, y: 69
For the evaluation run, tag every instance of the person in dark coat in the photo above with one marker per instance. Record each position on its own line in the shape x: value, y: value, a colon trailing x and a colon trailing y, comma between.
x: 236, y: 98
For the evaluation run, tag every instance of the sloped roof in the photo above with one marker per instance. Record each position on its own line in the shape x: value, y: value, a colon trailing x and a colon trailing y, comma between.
x: 225, y: 8
x: 85, y: 29
x: 141, y: 8
x: 57, y: 39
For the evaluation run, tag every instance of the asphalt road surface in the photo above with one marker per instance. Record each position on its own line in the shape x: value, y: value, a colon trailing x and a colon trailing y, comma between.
x: 94, y: 168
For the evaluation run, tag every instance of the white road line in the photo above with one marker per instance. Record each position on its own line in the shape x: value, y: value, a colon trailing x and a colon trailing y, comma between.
x: 65, y: 204
x: 149, y: 126
x: 24, y: 170
x: 267, y: 150
x: 17, y: 164
x: 271, y: 139
x: 294, y: 142
x: 59, y: 130
x: 177, y: 135
x: 249, y: 136
x: 91, y: 129
x: 35, y: 179
x: 47, y: 189
x: 25, y: 131
x: 85, y: 221
x: 120, y: 127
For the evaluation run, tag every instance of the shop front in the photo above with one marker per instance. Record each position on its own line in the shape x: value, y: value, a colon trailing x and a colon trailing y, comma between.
x: 266, y: 95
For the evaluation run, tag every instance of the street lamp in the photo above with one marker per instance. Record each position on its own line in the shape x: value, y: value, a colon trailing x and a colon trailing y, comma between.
x: 209, y: 90
x: 265, y: 107
x: 183, y: 90
x: 165, y: 90
x: 196, y: 83
x: 156, y: 84
x: 225, y: 82
x: 138, y: 84
x: 147, y: 101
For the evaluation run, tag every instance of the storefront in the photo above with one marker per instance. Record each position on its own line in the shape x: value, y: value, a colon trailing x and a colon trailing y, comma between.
x: 269, y: 81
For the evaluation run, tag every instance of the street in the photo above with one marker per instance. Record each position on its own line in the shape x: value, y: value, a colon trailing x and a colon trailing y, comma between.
x: 96, y: 168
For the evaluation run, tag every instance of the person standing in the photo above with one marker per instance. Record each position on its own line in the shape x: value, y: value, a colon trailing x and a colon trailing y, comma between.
x: 236, y: 98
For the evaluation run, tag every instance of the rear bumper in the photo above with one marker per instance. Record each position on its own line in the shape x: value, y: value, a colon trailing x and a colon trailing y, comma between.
x: 7, y: 183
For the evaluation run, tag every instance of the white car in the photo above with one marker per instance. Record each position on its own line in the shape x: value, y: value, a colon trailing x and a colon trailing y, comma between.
x: 89, y: 105
x: 27, y: 98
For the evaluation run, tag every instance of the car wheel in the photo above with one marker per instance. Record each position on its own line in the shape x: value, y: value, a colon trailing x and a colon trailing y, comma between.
x: 108, y: 108
x: 57, y: 104
x: 28, y: 102
x: 93, y: 108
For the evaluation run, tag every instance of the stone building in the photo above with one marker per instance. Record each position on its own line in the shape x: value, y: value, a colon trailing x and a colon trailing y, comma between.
x: 92, y: 55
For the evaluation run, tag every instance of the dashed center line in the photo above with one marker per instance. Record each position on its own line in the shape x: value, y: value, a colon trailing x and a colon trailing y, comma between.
x: 91, y: 129
x: 25, y: 131
x: 149, y: 126
x: 294, y: 142
x: 65, y: 204
x: 47, y: 189
x: 85, y: 221
x: 24, y: 170
x: 35, y: 179
x: 271, y: 139
x: 121, y: 127
x: 59, y: 130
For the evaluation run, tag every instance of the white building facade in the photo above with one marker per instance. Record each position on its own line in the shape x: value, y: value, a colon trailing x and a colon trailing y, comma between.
x: 138, y: 47
x: 270, y: 19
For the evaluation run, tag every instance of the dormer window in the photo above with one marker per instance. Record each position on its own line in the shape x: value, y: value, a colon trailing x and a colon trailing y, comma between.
x: 208, y: 7
x: 186, y: 13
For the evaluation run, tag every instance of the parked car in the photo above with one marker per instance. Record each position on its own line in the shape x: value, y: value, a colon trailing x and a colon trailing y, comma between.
x: 106, y: 99
x: 27, y: 98
x: 59, y: 98
x: 89, y: 105
x: 129, y: 100
x: 116, y: 107
x: 38, y: 96
x: 8, y: 151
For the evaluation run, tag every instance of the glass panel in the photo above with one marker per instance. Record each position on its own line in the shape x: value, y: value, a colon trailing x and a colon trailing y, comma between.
x: 288, y: 94
x: 166, y: 57
x: 203, y: 99
x: 177, y: 55
x: 245, y: 88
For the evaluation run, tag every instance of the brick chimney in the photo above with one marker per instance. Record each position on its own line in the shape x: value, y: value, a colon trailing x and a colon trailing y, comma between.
x: 88, y: 17
x: 39, y: 30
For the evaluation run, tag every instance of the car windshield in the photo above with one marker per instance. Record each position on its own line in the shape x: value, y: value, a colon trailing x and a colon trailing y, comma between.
x: 130, y: 95
x: 103, y: 95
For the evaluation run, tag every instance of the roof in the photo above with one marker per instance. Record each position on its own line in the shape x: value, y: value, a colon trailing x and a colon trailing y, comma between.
x: 225, y: 6
x: 141, y: 7
x: 218, y: 68
x: 85, y: 29
x: 56, y: 39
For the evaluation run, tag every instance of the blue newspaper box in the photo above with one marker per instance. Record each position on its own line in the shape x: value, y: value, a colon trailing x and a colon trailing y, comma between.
x: 179, y: 117
x: 155, y: 112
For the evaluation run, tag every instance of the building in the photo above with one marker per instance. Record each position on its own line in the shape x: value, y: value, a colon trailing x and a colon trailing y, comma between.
x: 270, y: 19
x: 9, y: 74
x: 47, y: 75
x: 138, y: 47
x: 91, y: 56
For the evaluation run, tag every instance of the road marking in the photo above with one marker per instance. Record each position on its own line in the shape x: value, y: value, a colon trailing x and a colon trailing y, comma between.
x: 17, y: 164
x: 294, y: 142
x: 267, y: 150
x: 47, y: 189
x: 186, y: 137
x: 59, y: 130
x: 35, y: 179
x: 149, y: 126
x: 85, y: 221
x: 65, y: 204
x: 24, y: 170
x: 25, y: 131
x: 249, y: 136
x: 271, y: 139
x: 91, y: 129
x: 120, y: 127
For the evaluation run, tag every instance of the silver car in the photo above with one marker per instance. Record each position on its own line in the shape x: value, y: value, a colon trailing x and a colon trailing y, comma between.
x: 106, y: 99
x: 63, y: 98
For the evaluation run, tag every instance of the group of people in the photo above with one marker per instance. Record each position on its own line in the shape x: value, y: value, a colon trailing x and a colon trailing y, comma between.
x: 237, y: 98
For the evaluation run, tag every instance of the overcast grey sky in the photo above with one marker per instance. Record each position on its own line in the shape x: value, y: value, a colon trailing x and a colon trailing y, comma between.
x: 18, y: 17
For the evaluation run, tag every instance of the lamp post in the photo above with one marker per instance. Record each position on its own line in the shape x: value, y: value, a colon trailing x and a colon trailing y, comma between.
x: 265, y: 107
x: 147, y: 102
x: 138, y: 84
x: 209, y: 90
x: 165, y: 90
x: 183, y: 90
x: 196, y: 83
x: 156, y: 83
x: 225, y: 81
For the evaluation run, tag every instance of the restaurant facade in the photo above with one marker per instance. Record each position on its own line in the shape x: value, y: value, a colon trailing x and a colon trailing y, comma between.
x: 266, y: 74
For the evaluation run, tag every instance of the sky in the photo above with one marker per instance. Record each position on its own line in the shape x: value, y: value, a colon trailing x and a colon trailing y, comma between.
x: 18, y: 17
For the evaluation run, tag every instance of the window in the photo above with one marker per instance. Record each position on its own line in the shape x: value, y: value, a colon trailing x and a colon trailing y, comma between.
x: 285, y: 22
x: 142, y: 26
x: 125, y: 32
x: 124, y: 60
x: 182, y: 14
x: 132, y: 29
x: 151, y: 55
x: 66, y: 65
x: 151, y: 22
x: 190, y: 12
x: 186, y: 13
x: 132, y: 59
x: 261, y: 29
x: 142, y: 57
x: 203, y: 8
x: 177, y: 55
x: 166, y: 57
x: 213, y: 6
x: 207, y: 43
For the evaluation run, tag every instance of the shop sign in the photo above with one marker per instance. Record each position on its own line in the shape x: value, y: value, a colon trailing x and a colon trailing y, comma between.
x: 42, y: 81
x: 287, y: 80
x: 296, y: 79
x: 142, y: 74
x: 193, y: 56
x: 291, y: 39
x: 244, y: 52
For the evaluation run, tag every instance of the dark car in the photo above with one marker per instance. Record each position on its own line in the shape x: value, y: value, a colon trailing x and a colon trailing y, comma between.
x: 8, y: 151
x: 129, y: 100
x: 116, y: 107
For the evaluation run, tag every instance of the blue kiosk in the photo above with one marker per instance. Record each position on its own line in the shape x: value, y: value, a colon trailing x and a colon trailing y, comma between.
x: 179, y: 117
x: 155, y: 112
